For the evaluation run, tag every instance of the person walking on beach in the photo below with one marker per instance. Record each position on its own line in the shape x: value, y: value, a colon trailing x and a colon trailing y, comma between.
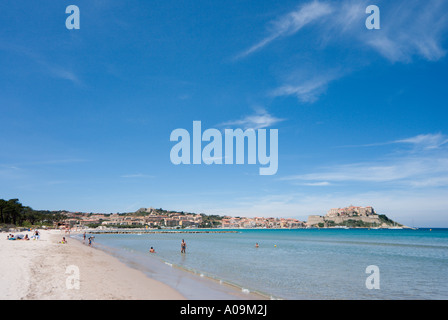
x: 183, y: 246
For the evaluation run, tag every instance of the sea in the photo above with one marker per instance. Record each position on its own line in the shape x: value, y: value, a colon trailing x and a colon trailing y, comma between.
x: 291, y: 264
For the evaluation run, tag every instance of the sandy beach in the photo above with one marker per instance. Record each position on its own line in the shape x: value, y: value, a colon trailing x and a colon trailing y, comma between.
x: 41, y: 269
x: 46, y: 269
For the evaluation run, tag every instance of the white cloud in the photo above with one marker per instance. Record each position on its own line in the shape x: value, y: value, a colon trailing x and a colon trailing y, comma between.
x: 388, y: 48
x: 409, y: 29
x: 44, y: 65
x: 420, y: 142
x: 360, y: 172
x: 307, y: 90
x: 261, y: 119
x: 62, y: 73
x: 136, y: 175
x: 426, y: 141
x: 316, y: 184
x: 424, y: 165
x: 291, y: 23
x: 48, y: 161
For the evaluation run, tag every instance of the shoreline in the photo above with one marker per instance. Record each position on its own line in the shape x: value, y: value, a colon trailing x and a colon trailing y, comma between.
x: 192, y: 284
x: 46, y: 269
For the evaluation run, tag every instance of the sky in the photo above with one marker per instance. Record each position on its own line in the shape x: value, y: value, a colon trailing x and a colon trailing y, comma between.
x: 86, y: 114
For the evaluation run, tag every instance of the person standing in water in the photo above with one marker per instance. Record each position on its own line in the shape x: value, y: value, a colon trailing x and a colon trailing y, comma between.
x: 90, y: 240
x: 183, y: 246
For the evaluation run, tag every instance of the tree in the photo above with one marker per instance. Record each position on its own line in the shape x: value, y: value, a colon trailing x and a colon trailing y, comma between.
x: 13, y: 212
x: 30, y: 215
x: 13, y: 209
x: 3, y: 206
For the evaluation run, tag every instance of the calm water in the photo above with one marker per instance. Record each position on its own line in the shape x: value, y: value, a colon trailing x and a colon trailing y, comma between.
x: 303, y: 263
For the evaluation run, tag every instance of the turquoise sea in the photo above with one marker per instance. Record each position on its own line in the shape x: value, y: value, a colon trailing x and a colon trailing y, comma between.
x: 295, y: 263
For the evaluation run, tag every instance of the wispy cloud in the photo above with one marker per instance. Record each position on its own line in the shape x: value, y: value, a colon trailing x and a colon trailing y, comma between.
x: 291, y: 23
x: 409, y: 30
x: 55, y: 161
x: 59, y: 161
x: 51, y: 68
x: 368, y: 172
x: 9, y: 172
x: 308, y: 90
x: 214, y: 159
x: 426, y: 141
x: 420, y: 142
x: 413, y: 29
x: 136, y: 175
x: 261, y: 119
x: 423, y: 166
x: 62, y: 73
x: 315, y: 184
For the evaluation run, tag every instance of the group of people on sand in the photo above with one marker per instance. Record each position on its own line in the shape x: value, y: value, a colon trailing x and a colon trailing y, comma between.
x: 20, y: 236
x: 17, y: 237
x: 183, y: 247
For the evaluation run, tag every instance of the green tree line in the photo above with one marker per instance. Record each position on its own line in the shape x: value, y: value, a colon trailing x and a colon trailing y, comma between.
x: 12, y: 212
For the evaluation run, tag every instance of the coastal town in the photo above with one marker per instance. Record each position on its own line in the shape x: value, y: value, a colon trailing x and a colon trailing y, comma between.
x: 14, y: 214
x: 151, y: 218
x: 158, y: 218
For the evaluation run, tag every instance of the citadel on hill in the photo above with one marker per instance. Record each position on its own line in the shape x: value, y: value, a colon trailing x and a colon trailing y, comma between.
x: 351, y: 216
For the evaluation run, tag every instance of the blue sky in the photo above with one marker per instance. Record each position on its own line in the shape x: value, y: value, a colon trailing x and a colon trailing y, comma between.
x: 86, y: 115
